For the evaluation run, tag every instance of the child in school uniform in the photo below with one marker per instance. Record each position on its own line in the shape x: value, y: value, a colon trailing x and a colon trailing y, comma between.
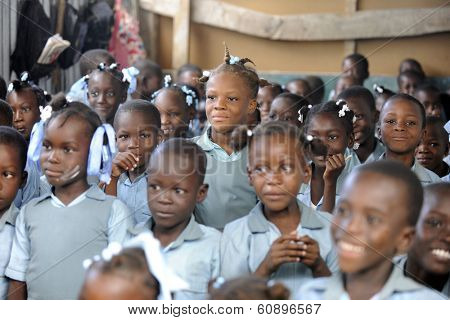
x: 430, y: 98
x: 25, y: 98
x: 402, y: 126
x: 288, y: 107
x: 266, y: 95
x: 368, y: 235
x: 176, y: 105
x: 408, y: 81
x: 330, y: 125
x: 137, y: 126
x: 135, y: 271
x: 107, y: 89
x: 175, y: 184
x: 281, y: 238
x: 149, y: 79
x: 13, y: 158
x: 231, y: 91
x: 428, y: 260
x: 366, y: 148
x: 434, y: 147
x: 56, y: 232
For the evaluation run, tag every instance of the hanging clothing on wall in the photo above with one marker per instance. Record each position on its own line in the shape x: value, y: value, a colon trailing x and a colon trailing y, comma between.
x: 33, y: 31
x: 126, y: 44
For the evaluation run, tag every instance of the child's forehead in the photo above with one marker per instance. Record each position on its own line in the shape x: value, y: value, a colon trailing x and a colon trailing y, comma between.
x: 400, y: 105
x: 22, y: 94
x: 137, y: 119
x: 105, y: 78
x: 10, y: 150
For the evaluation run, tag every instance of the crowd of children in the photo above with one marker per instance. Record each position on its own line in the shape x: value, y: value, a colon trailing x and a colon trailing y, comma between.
x: 221, y: 185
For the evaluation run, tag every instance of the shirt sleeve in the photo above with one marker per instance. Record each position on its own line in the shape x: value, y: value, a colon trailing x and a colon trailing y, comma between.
x: 120, y: 221
x: 20, y: 252
x: 32, y: 186
x: 234, y: 254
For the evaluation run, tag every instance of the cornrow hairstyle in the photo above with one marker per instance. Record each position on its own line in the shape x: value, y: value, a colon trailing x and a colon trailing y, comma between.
x: 11, y: 137
x: 6, y: 113
x: 91, y: 58
x: 188, y: 94
x: 25, y: 83
x: 411, y: 99
x: 144, y: 107
x: 80, y: 111
x: 381, y: 90
x: 359, y: 92
x: 236, y: 66
x: 2, y: 88
x: 115, y: 73
x: 130, y: 264
x: 58, y: 102
x: 242, y: 136
x: 248, y: 288
x: 338, y: 109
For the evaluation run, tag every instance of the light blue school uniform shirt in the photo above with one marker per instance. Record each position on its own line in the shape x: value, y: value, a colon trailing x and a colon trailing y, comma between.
x: 31, y: 188
x: 380, y: 149
x: 446, y: 178
x: 24, y: 252
x: 134, y: 195
x: 401, y: 262
x: 304, y: 194
x: 230, y: 195
x: 7, y: 229
x: 397, y: 287
x: 246, y: 242
x: 193, y: 256
x: 425, y: 176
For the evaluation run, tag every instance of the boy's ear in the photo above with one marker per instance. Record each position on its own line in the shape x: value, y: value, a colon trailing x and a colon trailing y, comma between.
x: 202, y: 193
x: 24, y: 179
x: 252, y: 106
x: 405, y: 239
x: 379, y: 133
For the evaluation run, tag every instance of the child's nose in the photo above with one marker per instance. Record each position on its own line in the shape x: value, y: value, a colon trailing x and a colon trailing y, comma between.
x: 17, y: 116
x: 53, y: 157
x: 164, y: 119
x: 220, y: 104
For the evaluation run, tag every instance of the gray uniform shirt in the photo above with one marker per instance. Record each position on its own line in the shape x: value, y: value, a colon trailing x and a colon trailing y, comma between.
x: 52, y: 240
x: 246, y: 242
x: 7, y: 227
x: 230, y: 195
x: 397, y: 287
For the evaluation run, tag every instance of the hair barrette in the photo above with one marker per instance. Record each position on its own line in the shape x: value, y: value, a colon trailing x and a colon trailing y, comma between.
x: 249, y: 133
x: 343, y: 111
x: 102, y: 66
x: 300, y: 118
x: 24, y: 76
x: 46, y: 112
x: 356, y: 146
x: 206, y: 73
x: 378, y: 89
x: 167, y: 80
x: 10, y: 87
x: 309, y: 138
x: 234, y: 59
x: 113, y: 66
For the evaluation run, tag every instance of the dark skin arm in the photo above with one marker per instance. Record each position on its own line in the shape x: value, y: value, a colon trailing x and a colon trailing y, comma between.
x: 17, y: 290
x: 335, y: 165
x: 124, y: 161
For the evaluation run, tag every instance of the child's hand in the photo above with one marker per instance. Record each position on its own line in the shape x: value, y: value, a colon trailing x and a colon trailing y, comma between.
x: 283, y: 250
x: 310, y: 256
x: 124, y: 161
x: 333, y: 168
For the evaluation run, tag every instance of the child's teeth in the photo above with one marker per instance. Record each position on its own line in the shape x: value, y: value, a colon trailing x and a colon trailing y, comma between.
x: 441, y: 253
x: 350, y: 247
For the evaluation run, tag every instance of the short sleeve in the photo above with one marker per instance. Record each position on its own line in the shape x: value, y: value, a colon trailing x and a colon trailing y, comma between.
x: 120, y: 221
x: 20, y: 252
